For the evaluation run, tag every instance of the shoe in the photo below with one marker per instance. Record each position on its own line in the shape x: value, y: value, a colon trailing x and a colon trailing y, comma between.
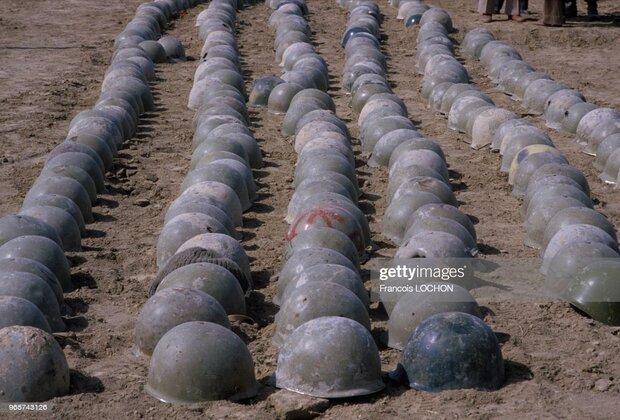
x: 487, y: 18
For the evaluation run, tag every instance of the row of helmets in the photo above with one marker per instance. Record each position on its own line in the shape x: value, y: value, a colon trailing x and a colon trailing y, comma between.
x: 303, y: 68
x: 578, y: 244
x: 597, y: 129
x: 203, y: 271
x: 34, y: 271
x: 423, y: 219
x: 323, y: 327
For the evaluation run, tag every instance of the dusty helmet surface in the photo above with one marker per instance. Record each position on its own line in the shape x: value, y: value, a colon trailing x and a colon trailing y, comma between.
x: 33, y: 365
x: 433, y: 244
x: 201, y: 361
x: 595, y: 291
x: 42, y: 250
x: 330, y: 357
x: 314, y: 300
x: 453, y: 350
x: 325, y: 237
x: 19, y: 311
x: 213, y: 280
x: 413, y: 308
x: 171, y: 307
x: 576, y: 216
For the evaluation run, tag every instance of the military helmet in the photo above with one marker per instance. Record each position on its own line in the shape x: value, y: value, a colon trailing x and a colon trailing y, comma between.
x: 330, y: 357
x: 453, y: 350
x: 201, y: 361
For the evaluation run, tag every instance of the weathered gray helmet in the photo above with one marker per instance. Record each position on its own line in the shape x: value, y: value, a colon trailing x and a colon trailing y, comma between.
x: 436, y: 95
x: 204, y: 205
x: 574, y: 114
x: 545, y: 204
x: 504, y: 129
x: 475, y: 40
x: 590, y: 126
x: 60, y: 202
x: 36, y: 290
x: 428, y: 184
x: 452, y: 93
x: 211, y: 279
x: 446, y: 211
x: 315, y: 148
x: 66, y: 187
x: 25, y: 265
x: 413, y: 308
x: 306, y: 258
x: 227, y: 171
x: 428, y: 50
x: 494, y: 49
x: 521, y: 171
x: 33, y: 365
x: 298, y: 108
x: 293, y: 52
x: 369, y: 78
x: 42, y: 250
x: 365, y: 93
x: 537, y: 94
x: 486, y: 124
x: 605, y: 149
x: 311, y: 93
x: 324, y: 237
x: 71, y: 146
x: 527, y: 152
x: 388, y: 103
x: 516, y: 141
x: 421, y: 157
x: 330, y: 273
x: 211, y: 353
x: 75, y: 173
x: 200, y: 255
x: 261, y: 89
x: 138, y: 89
x: 399, y: 212
x: 404, y: 173
x: 441, y: 224
x: 323, y: 130
x: 433, y: 244
x: 522, y: 80
x: 612, y: 168
x: 15, y: 225
x: 378, y: 127
x: 61, y: 221
x: 574, y: 234
x: 311, y: 301
x: 574, y: 216
x: 223, y: 245
x: 453, y: 350
x: 321, y: 115
x: 504, y: 71
x: 568, y: 262
x: 383, y: 150
x: 220, y: 144
x: 330, y: 357
x: 171, y: 307
x: 327, y: 215
x: 242, y: 168
x: 558, y: 105
x: 550, y: 170
x: 19, y: 311
x: 182, y: 228
x: 595, y: 291
x: 330, y: 162
x: 154, y: 50
x: 281, y: 97
x: 92, y: 143
x: 464, y: 105
x: 173, y: 47
x: 414, y: 15
x: 453, y: 72
x: 222, y: 197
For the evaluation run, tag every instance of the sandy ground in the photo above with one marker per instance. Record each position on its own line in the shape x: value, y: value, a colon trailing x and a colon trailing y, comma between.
x: 53, y: 55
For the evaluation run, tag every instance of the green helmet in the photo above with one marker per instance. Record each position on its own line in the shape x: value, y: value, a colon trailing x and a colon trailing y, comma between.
x: 596, y: 291
x: 330, y: 357
x: 201, y: 361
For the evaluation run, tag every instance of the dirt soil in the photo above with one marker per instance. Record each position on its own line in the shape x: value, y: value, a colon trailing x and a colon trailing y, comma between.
x: 53, y: 55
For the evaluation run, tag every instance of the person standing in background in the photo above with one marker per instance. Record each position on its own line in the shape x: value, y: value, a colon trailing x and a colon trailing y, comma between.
x: 553, y: 13
x: 512, y: 10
